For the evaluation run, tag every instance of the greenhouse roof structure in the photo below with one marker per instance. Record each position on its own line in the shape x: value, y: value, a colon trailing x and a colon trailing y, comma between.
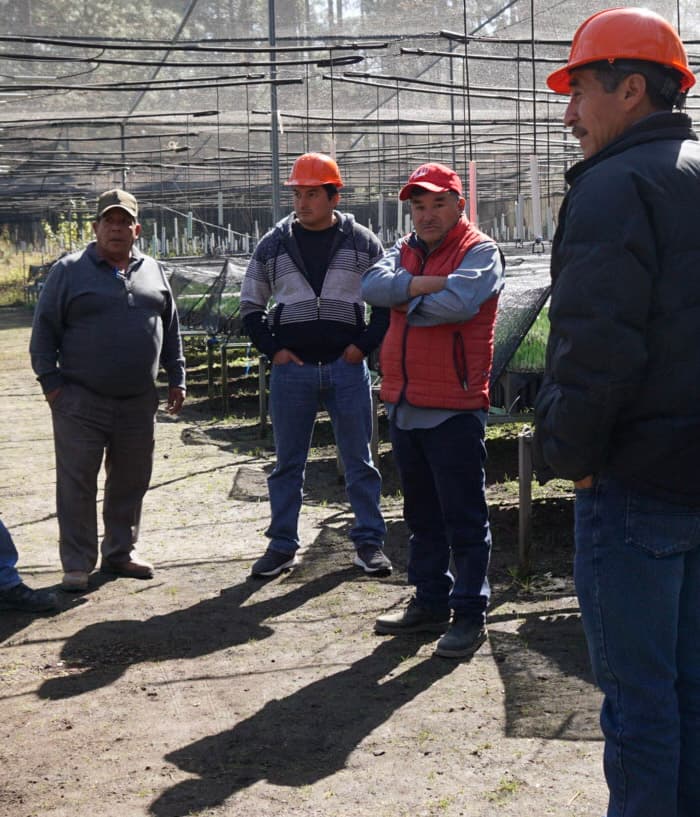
x: 200, y: 106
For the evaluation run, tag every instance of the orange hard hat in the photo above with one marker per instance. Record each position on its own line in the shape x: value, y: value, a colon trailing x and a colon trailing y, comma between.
x: 624, y: 34
x: 314, y: 170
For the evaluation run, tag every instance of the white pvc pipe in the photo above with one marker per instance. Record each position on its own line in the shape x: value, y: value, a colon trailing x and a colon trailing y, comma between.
x: 536, y: 199
x: 519, y: 227
x: 473, y: 210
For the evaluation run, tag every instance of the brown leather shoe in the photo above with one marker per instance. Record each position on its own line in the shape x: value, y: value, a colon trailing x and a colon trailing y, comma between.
x: 130, y: 569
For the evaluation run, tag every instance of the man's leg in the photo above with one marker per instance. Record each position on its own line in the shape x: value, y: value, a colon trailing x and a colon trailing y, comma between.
x: 629, y: 570
x: 128, y: 467
x: 429, y: 555
x: 80, y: 428
x: 689, y: 687
x: 293, y: 406
x: 457, y: 456
x: 348, y: 400
x: 14, y: 594
x: 9, y: 577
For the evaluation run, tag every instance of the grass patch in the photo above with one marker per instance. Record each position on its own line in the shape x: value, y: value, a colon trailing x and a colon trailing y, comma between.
x: 530, y: 355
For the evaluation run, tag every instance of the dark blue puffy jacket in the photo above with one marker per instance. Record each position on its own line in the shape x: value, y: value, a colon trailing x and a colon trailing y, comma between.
x: 621, y: 393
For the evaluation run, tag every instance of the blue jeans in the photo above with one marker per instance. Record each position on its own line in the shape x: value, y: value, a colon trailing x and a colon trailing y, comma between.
x: 296, y: 395
x: 443, y: 481
x: 637, y: 571
x: 8, y: 559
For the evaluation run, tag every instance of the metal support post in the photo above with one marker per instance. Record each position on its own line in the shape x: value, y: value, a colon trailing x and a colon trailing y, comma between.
x: 525, y: 498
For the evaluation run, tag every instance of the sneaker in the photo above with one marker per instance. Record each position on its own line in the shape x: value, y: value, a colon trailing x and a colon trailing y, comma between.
x: 414, y: 619
x: 74, y: 581
x: 23, y: 598
x: 272, y: 563
x: 463, y: 639
x: 371, y: 559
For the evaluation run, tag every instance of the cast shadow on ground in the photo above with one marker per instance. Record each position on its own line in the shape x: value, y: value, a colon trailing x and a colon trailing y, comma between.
x: 545, y: 670
x: 305, y: 737
x: 13, y: 621
x: 106, y: 649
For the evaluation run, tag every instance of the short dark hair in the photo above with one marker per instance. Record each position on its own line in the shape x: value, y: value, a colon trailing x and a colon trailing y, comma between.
x: 663, y: 84
x: 331, y: 190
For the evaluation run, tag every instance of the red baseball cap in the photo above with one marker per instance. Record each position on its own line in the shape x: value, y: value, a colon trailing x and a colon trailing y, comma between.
x: 433, y: 177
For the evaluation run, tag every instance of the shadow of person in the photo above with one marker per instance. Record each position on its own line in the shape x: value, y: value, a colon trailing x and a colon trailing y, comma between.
x: 304, y: 737
x: 106, y: 649
x: 14, y: 621
x: 544, y: 666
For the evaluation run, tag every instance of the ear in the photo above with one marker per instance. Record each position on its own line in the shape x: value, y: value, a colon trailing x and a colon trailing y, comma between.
x: 137, y: 230
x: 633, y: 89
x: 94, y: 226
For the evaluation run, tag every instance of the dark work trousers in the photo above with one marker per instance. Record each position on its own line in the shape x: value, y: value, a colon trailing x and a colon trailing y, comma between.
x: 443, y: 482
x: 88, y: 427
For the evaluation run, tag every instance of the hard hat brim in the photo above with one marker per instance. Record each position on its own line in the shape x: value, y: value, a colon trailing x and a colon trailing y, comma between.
x: 310, y: 183
x: 560, y: 80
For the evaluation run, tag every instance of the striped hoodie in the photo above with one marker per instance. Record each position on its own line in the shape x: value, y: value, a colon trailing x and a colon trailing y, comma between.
x: 280, y: 308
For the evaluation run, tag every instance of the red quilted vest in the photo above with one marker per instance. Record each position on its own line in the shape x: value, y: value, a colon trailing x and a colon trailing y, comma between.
x: 445, y: 366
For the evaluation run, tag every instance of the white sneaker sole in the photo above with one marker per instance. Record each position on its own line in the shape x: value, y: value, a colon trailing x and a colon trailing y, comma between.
x: 267, y: 574
x: 359, y: 563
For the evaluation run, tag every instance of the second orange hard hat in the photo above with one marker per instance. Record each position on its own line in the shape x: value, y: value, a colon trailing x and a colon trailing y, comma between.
x: 314, y: 170
x: 624, y: 34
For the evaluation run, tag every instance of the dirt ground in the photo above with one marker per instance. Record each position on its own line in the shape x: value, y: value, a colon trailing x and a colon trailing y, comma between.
x: 203, y: 692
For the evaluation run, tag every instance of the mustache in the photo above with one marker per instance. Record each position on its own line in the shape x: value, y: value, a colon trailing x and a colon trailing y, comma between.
x: 577, y: 132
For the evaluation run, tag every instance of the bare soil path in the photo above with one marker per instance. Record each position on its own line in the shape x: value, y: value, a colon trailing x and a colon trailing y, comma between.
x: 203, y: 692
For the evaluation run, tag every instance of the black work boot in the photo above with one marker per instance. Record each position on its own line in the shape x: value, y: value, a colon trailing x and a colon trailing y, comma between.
x: 413, y: 619
x: 462, y: 639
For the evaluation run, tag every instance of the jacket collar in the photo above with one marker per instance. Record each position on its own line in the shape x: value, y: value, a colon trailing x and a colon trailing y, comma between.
x: 662, y: 125
x: 94, y: 253
x: 456, y: 231
x: 343, y: 223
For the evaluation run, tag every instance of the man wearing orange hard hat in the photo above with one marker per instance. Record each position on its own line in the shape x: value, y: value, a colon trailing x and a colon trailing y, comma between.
x: 317, y: 337
x: 619, y: 409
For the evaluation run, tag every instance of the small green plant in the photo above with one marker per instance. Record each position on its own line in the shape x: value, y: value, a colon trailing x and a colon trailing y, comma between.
x: 14, y: 270
x: 72, y: 231
x: 507, y: 787
x: 520, y: 581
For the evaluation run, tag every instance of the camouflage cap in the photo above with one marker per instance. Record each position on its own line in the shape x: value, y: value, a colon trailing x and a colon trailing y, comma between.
x: 117, y: 198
